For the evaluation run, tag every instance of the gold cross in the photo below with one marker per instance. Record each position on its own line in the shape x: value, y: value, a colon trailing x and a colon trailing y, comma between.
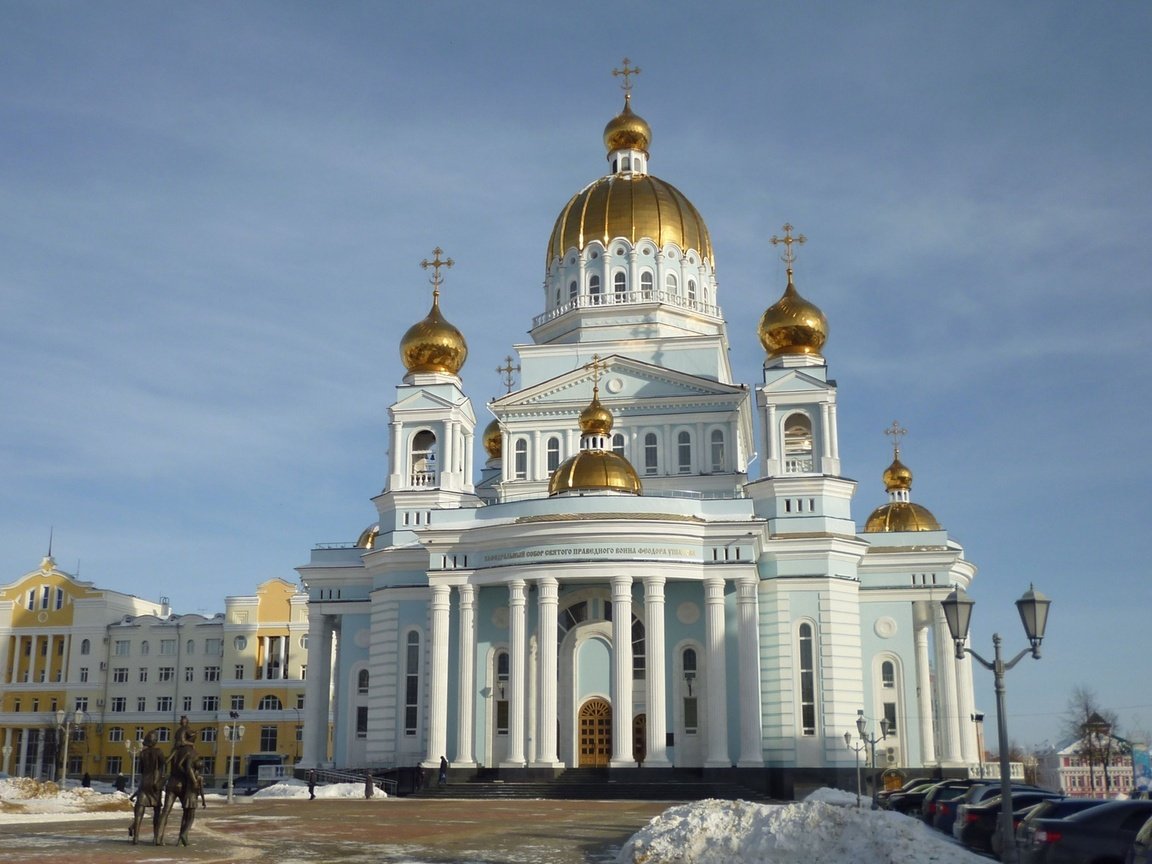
x: 627, y: 74
x: 436, y: 264
x: 789, y: 255
x: 597, y: 366
x: 506, y: 372
x: 897, y: 432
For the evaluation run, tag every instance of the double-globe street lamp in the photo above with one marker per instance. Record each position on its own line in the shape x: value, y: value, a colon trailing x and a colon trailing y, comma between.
x: 233, y: 734
x: 871, y: 741
x: 1033, y: 609
x: 65, y: 721
x: 857, y: 749
x: 133, y: 747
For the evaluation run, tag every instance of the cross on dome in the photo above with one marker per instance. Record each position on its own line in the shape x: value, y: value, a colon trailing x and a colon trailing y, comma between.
x: 597, y: 366
x: 437, y: 280
x: 626, y: 73
x: 897, y: 432
x: 789, y: 256
x: 506, y: 372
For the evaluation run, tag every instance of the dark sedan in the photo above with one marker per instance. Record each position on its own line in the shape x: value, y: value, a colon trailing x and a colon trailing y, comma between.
x: 1100, y: 835
x: 981, y: 820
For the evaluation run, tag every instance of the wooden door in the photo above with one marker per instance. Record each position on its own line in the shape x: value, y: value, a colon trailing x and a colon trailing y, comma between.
x: 595, y: 733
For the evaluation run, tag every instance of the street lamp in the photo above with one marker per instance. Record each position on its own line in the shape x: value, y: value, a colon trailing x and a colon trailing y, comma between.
x: 133, y: 747
x: 233, y: 734
x: 7, y: 751
x: 872, y: 741
x: 1033, y: 609
x: 64, y: 724
x: 857, y: 748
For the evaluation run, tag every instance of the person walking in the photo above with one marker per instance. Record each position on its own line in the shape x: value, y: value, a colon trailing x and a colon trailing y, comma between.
x: 443, y: 770
x: 312, y: 784
x: 369, y: 786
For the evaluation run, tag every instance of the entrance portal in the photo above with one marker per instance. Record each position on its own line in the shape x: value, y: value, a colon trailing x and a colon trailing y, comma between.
x: 595, y: 734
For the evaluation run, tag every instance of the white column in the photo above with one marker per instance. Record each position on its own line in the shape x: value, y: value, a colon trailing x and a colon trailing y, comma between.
x: 834, y: 431
x: 517, y: 625
x: 397, y: 462
x: 283, y: 656
x: 448, y: 462
x: 751, y: 737
x: 36, y: 653
x: 717, y: 684
x: 771, y: 444
x: 949, y: 715
x: 465, y: 753
x: 469, y: 444
x: 622, y: 672
x: 826, y: 432
x: 438, y: 689
x: 317, y: 688
x: 657, y: 707
x: 549, y: 602
x: 969, y: 750
x: 924, y: 694
x: 506, y: 456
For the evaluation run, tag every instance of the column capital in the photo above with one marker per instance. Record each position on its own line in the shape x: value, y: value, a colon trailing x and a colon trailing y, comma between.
x: 516, y: 592
x: 652, y: 581
x: 622, y: 587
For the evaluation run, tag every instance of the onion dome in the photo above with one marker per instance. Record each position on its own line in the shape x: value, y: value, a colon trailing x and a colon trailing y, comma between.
x: 368, y: 537
x: 433, y: 344
x: 627, y: 131
x: 793, y: 325
x: 899, y: 514
x: 493, y: 439
x: 629, y: 202
x: 595, y: 468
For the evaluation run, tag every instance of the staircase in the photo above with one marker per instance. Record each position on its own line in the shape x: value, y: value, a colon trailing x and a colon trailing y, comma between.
x: 594, y: 784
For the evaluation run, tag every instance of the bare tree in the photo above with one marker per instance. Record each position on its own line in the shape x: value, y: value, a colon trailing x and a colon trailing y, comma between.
x: 1095, y: 729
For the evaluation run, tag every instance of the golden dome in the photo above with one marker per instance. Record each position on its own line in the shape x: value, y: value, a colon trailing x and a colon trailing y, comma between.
x: 368, y: 537
x: 793, y: 325
x: 433, y: 345
x: 493, y: 439
x: 627, y: 131
x: 595, y: 471
x: 900, y: 516
x: 595, y: 419
x: 897, y: 475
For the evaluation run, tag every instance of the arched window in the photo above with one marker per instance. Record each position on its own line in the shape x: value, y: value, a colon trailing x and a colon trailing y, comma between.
x: 807, y: 671
x: 797, y: 444
x: 626, y: 164
x: 887, y: 674
x: 424, y: 459
x: 620, y: 286
x: 594, y: 288
x: 520, y: 460
x: 144, y: 648
x: 573, y: 290
x: 651, y: 453
x: 362, y: 681
x: 618, y: 444
x: 553, y: 454
x: 646, y: 284
x: 557, y: 295
x: 716, y: 452
x: 269, y: 703
x: 670, y: 283
x: 684, y: 452
x: 412, y: 684
x: 692, y: 291
x: 85, y: 647
x: 638, y: 650
x: 688, y: 666
x: 190, y: 647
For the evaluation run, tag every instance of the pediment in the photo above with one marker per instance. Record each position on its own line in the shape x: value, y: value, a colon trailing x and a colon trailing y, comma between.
x: 796, y: 381
x: 422, y: 400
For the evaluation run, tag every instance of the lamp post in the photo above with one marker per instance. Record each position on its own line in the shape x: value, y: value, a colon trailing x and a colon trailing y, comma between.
x: 857, y: 748
x: 133, y: 747
x: 64, y: 723
x: 233, y: 734
x: 7, y: 751
x: 1033, y: 609
x: 871, y: 741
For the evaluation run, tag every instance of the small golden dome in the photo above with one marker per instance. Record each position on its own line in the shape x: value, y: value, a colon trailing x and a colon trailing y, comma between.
x: 793, y: 325
x: 368, y: 537
x: 433, y: 345
x: 900, y: 516
x: 595, y: 471
x: 627, y: 131
x: 595, y: 419
x: 493, y: 439
x: 897, y: 475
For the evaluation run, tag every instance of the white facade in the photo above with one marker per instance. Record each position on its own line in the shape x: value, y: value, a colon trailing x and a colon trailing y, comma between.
x: 718, y: 620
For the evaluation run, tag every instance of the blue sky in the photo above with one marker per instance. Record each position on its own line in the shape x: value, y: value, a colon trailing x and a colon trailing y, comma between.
x: 212, y: 217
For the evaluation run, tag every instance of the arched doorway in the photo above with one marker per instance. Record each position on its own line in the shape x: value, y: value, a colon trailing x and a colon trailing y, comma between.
x: 595, y: 733
x: 640, y: 738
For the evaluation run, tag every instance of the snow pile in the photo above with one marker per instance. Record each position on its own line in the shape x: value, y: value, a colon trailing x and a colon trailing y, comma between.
x: 810, y: 832
x: 25, y: 795
x: 293, y: 788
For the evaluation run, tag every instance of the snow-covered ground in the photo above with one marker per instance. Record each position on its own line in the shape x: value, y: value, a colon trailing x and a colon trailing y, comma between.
x: 827, y: 828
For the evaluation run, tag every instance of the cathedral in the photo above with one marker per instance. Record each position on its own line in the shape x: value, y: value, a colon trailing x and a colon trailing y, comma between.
x: 653, y: 566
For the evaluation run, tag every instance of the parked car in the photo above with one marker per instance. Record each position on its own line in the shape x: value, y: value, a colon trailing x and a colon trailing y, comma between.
x: 884, y: 794
x: 981, y: 792
x: 910, y: 801
x: 1141, y: 849
x: 979, y: 822
x: 1054, y: 808
x: 1095, y: 836
x: 941, y: 792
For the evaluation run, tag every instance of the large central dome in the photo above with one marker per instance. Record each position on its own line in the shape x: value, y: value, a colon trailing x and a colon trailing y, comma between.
x: 631, y: 206
x: 629, y: 202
